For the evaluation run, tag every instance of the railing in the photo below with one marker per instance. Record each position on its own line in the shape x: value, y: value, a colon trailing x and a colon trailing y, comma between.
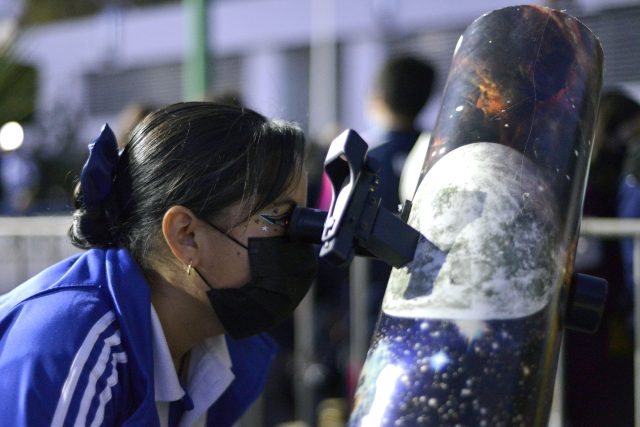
x: 30, y: 244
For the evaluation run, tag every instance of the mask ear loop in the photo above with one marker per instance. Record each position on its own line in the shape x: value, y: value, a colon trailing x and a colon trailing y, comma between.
x: 190, y: 268
x: 227, y: 235
x: 224, y: 234
x: 201, y: 277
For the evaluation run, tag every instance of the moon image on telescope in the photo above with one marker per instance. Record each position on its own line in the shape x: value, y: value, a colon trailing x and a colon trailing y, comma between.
x: 489, y: 246
x: 476, y: 296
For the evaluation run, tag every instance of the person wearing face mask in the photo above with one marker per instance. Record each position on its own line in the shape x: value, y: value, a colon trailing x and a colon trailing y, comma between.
x: 161, y: 320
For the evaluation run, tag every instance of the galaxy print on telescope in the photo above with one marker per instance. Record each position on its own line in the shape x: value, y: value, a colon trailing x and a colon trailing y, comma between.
x: 422, y: 372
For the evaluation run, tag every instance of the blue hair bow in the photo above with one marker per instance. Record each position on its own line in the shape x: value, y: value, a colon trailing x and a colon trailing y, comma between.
x: 96, y: 177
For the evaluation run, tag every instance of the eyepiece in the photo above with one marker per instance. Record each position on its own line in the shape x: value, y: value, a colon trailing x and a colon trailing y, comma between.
x: 307, y: 224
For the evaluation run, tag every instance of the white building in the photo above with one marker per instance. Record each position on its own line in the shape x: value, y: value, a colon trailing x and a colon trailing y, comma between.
x: 95, y: 66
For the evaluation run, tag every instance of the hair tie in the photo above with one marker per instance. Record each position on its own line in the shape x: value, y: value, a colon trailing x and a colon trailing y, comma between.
x: 96, y: 177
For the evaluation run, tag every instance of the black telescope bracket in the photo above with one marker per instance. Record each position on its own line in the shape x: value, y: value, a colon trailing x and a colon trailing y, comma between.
x: 356, y: 223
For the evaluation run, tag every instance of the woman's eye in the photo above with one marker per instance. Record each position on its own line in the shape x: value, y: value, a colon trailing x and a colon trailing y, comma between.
x: 280, y: 219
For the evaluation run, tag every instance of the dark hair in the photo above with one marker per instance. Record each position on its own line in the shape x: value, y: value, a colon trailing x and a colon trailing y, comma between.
x: 200, y: 155
x: 615, y: 109
x: 404, y: 84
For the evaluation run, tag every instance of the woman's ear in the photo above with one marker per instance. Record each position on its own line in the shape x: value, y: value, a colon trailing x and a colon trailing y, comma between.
x: 179, y: 231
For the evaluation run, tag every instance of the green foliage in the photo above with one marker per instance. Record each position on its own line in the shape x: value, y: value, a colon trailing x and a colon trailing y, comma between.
x: 18, y: 86
x: 42, y: 11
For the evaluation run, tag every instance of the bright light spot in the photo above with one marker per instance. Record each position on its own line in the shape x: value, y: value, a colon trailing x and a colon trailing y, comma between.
x: 385, y: 385
x: 439, y: 361
x: 471, y: 329
x: 460, y: 108
x: 11, y: 136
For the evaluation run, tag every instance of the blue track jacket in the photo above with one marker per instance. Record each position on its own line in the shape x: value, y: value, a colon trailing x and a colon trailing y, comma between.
x: 75, y: 348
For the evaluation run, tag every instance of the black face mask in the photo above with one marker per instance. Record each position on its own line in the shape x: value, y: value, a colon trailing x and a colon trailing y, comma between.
x: 282, y: 272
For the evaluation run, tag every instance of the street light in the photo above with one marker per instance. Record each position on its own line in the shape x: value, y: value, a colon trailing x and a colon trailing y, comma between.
x: 11, y: 136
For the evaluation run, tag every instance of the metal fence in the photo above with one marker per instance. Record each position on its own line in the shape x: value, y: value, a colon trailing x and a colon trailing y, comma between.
x: 30, y: 244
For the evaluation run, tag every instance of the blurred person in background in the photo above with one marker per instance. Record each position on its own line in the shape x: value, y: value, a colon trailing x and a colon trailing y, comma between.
x: 627, y: 132
x: 20, y: 177
x: 599, y: 368
x: 401, y: 90
x: 128, y: 119
x: 229, y: 97
x: 161, y: 320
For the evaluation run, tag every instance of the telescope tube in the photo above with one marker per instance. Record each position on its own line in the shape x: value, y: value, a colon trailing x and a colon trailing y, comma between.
x: 469, y: 332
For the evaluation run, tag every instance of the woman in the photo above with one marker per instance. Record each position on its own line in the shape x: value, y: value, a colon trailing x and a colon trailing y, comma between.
x: 159, y: 322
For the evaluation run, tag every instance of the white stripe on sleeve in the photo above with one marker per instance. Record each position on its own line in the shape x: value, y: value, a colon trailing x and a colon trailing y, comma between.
x: 77, y: 366
x: 96, y: 373
x: 105, y: 395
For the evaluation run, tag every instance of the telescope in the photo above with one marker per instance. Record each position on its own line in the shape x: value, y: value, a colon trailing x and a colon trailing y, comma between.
x: 483, y: 283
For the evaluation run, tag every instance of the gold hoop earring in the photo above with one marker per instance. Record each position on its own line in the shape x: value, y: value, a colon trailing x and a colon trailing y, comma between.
x: 189, y: 269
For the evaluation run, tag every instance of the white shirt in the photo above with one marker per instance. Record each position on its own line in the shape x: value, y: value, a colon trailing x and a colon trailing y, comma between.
x: 209, y: 376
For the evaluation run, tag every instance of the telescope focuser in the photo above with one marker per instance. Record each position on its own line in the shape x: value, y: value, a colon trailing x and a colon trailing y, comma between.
x: 356, y: 222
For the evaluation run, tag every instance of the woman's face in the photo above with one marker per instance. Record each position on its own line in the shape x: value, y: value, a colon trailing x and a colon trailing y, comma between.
x: 228, y: 265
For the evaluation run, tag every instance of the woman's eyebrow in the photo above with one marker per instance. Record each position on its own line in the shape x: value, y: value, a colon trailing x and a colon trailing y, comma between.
x: 289, y: 202
x: 284, y: 201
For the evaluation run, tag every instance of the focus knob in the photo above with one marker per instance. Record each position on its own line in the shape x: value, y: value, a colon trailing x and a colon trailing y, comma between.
x: 586, y: 303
